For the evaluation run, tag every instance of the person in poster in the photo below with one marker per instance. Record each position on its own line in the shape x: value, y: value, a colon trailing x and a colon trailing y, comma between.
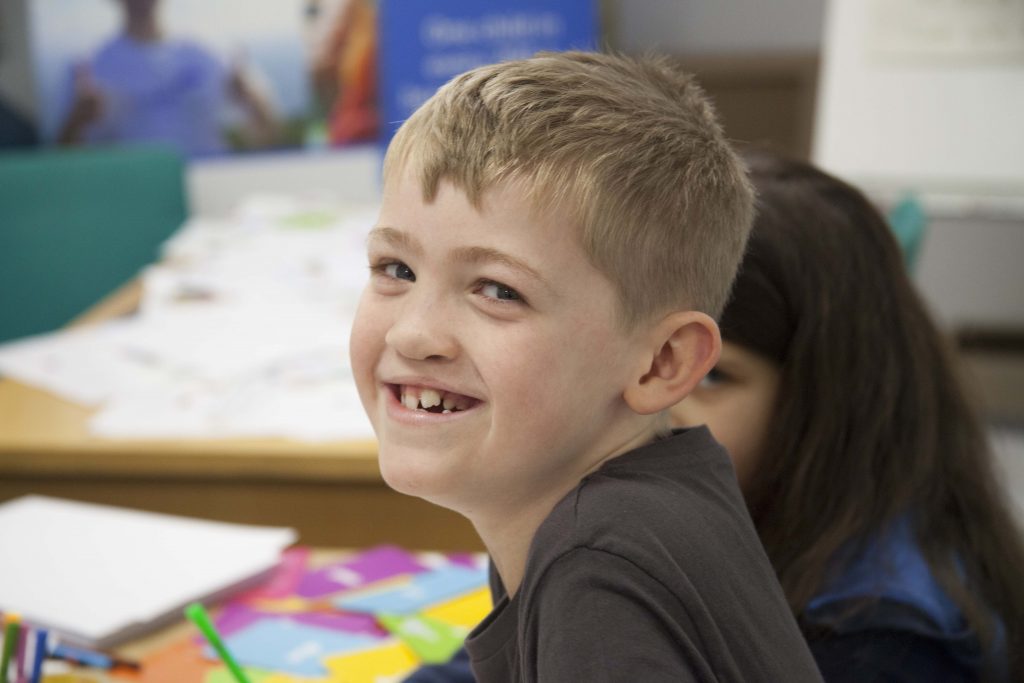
x: 143, y: 85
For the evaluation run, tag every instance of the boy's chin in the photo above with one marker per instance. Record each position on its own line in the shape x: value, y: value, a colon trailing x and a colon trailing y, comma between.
x: 426, y: 483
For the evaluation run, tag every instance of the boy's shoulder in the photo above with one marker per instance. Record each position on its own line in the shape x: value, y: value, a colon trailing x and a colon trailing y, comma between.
x: 657, y: 547
x: 652, y: 506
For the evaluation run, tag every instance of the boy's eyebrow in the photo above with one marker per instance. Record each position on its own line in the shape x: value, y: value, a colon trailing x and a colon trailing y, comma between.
x: 395, y: 238
x: 399, y: 239
x: 482, y: 255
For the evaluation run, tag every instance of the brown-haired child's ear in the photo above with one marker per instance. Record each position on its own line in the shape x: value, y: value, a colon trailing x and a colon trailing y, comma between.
x: 683, y: 348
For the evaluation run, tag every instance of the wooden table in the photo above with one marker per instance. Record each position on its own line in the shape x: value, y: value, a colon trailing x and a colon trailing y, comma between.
x: 331, y: 493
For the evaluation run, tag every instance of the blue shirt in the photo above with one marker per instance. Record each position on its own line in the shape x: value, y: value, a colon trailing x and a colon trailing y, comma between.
x: 893, y: 577
x: 171, y: 91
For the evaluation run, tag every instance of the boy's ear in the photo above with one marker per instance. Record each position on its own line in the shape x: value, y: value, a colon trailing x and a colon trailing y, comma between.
x: 682, y: 348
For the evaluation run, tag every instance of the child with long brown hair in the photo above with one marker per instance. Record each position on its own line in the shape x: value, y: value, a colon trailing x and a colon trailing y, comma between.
x: 867, y: 474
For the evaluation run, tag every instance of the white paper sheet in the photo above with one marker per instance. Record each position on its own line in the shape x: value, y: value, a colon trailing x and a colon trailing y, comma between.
x: 99, y: 575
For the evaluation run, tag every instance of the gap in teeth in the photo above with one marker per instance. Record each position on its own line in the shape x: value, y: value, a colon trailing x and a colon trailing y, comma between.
x: 425, y: 399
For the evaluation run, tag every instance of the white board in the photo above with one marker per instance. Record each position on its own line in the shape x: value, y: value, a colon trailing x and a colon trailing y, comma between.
x: 925, y: 95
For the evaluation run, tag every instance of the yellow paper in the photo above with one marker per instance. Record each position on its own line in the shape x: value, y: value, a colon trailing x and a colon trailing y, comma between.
x: 223, y: 675
x: 289, y: 678
x: 383, y: 663
x: 288, y: 605
x: 466, y: 610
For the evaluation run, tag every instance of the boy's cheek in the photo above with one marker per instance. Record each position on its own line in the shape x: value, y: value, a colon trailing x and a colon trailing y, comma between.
x: 362, y: 352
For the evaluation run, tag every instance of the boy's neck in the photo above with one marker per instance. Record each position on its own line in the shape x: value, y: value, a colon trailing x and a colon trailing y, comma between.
x: 508, y: 544
x: 508, y: 534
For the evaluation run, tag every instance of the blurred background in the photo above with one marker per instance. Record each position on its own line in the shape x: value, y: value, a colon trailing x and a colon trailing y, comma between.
x: 276, y: 113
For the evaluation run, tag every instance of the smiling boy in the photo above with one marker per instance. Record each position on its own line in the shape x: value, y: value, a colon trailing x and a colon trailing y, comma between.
x: 555, y: 238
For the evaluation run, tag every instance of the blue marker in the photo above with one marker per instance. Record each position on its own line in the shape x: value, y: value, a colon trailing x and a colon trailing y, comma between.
x: 40, y: 655
x: 91, y: 658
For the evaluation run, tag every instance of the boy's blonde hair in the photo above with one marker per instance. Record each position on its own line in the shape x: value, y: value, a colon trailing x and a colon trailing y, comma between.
x: 629, y: 147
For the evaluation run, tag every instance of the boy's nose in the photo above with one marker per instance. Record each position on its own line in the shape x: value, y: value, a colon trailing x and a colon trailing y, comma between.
x: 423, y: 332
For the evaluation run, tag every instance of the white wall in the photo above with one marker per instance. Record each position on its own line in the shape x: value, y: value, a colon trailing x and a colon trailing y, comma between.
x: 912, y: 96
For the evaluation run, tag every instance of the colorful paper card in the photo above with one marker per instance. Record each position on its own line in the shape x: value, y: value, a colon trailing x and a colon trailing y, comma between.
x: 178, y: 662
x: 434, y: 641
x: 436, y: 560
x: 393, y: 659
x: 360, y: 624
x: 234, y: 618
x: 286, y: 646
x: 466, y: 610
x: 224, y: 675
x: 420, y: 591
x: 285, y: 578
x: 373, y: 565
x: 471, y: 560
x: 278, y: 677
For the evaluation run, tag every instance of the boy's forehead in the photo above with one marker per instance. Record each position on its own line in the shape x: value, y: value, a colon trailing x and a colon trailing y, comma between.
x: 505, y: 216
x: 506, y: 207
x: 515, y: 193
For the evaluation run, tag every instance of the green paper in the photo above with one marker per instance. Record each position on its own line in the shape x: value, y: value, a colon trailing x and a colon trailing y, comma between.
x: 434, y: 641
x: 310, y: 220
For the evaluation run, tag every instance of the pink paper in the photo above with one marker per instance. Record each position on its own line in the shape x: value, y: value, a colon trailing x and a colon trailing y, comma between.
x: 285, y: 578
x: 234, y: 617
x: 378, y: 563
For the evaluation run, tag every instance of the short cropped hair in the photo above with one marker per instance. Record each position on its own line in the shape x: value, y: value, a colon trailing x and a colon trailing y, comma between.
x: 630, y: 147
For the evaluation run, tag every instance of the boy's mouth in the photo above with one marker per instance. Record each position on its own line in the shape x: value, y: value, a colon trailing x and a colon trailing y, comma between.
x: 431, y: 400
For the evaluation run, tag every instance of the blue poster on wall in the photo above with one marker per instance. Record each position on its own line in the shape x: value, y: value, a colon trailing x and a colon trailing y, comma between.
x: 424, y: 43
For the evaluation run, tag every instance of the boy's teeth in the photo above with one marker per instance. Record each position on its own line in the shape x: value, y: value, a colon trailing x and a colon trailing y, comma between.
x: 430, y: 398
x: 415, y: 398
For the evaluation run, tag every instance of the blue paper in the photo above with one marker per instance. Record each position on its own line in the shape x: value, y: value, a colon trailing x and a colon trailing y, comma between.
x: 421, y: 591
x: 424, y: 44
x: 284, y: 645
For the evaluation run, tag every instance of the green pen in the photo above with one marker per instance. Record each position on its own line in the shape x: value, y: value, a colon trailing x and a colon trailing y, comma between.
x: 12, y: 629
x: 198, y: 616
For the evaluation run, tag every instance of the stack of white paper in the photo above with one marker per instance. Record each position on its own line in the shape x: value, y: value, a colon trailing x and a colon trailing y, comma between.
x: 242, y: 332
x: 98, y: 575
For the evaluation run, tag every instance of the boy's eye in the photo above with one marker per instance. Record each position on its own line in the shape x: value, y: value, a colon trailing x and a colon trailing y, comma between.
x: 396, y: 270
x: 400, y: 271
x: 498, y: 291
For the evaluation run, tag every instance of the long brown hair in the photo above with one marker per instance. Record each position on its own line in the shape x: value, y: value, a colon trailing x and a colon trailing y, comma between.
x: 872, y: 424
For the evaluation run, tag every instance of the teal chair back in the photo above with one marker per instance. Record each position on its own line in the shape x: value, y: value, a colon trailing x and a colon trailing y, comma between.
x: 909, y: 223
x: 77, y: 224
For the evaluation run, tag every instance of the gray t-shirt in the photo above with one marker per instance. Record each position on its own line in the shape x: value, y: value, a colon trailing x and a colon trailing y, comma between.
x: 650, y: 570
